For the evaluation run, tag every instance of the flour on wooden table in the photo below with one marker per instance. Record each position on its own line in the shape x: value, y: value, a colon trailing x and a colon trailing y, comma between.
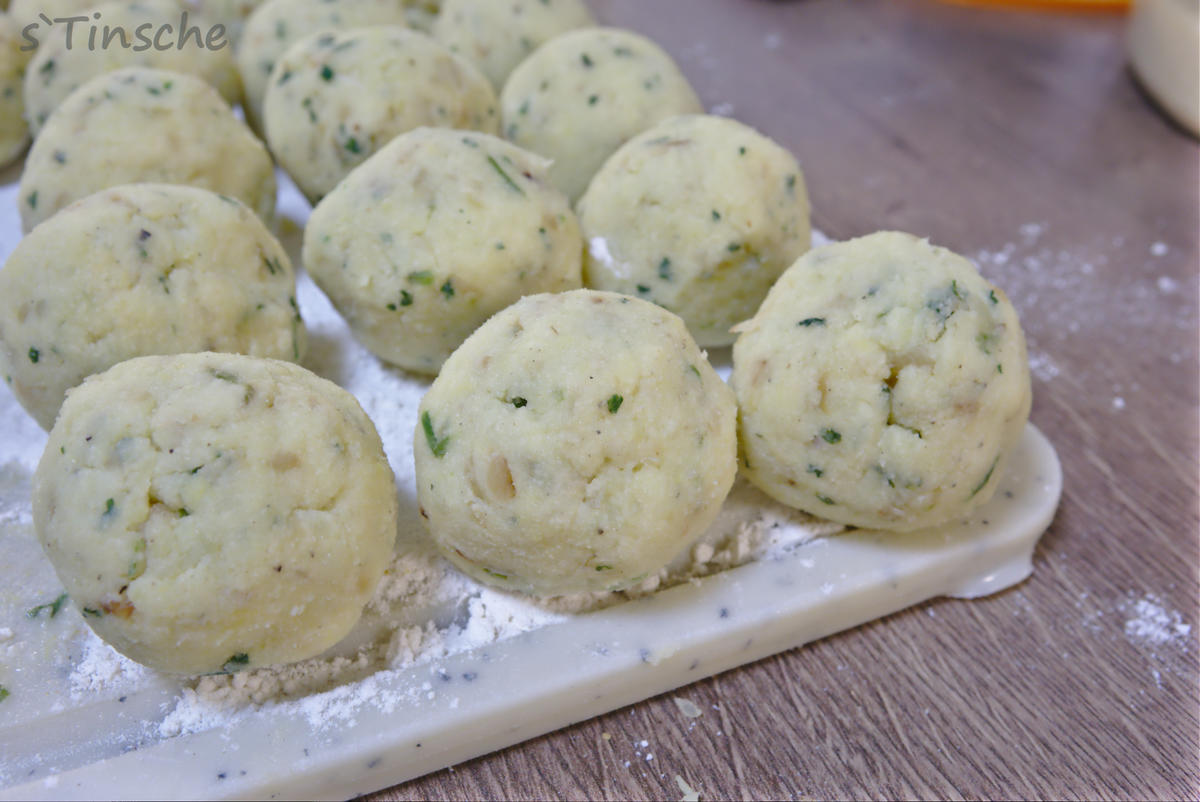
x: 1152, y: 624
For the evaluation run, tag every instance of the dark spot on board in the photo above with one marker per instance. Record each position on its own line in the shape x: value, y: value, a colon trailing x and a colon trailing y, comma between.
x: 724, y: 613
x: 695, y: 664
x: 374, y: 763
x: 644, y: 654
x: 470, y: 676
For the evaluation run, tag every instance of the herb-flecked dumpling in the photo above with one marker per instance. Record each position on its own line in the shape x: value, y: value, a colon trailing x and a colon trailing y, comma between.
x: 433, y: 235
x: 335, y: 98
x: 14, y: 133
x: 575, y: 442
x: 60, y: 67
x: 136, y: 270
x: 582, y: 95
x: 699, y: 214
x: 140, y: 125
x: 214, y: 512
x: 882, y: 384
x: 498, y: 36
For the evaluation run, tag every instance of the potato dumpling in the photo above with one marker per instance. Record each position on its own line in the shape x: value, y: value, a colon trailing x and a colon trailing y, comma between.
x: 337, y: 97
x: 582, y: 95
x: 699, y: 214
x: 215, y: 512
x: 278, y: 24
x: 140, y: 125
x: 57, y: 69
x: 882, y: 384
x: 575, y: 442
x: 14, y: 133
x: 496, y: 37
x: 433, y: 235
x: 137, y: 270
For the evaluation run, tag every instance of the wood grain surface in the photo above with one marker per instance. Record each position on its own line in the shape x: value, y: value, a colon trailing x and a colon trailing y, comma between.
x: 1021, y: 140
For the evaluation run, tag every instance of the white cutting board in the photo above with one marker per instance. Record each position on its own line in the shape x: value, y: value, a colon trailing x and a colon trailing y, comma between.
x: 402, y: 721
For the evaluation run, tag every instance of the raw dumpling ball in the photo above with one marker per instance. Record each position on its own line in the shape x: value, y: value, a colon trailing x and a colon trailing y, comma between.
x: 137, y: 270
x: 233, y: 14
x: 25, y: 12
x: 497, y: 36
x: 214, y: 512
x: 278, y: 24
x: 882, y: 384
x: 700, y: 215
x: 14, y: 133
x: 575, y: 442
x: 337, y: 97
x: 139, y: 125
x: 433, y: 235
x: 582, y: 95
x: 422, y: 14
x: 56, y: 70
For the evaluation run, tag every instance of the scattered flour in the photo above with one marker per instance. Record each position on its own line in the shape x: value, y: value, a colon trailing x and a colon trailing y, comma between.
x: 1152, y: 624
x: 1118, y: 403
x: 1159, y: 249
x: 722, y: 110
x: 101, y: 668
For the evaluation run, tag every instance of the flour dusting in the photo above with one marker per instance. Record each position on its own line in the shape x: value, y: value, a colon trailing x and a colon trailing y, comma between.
x: 1151, y: 623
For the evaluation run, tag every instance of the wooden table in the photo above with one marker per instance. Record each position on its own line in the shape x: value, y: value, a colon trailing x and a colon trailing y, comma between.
x: 1019, y: 139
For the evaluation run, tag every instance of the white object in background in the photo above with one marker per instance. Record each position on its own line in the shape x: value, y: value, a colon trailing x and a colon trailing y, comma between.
x: 1164, y: 49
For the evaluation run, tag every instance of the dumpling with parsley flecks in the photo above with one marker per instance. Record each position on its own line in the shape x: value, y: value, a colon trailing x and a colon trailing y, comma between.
x: 882, y: 384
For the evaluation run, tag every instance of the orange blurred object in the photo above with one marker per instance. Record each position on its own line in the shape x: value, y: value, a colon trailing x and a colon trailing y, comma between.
x: 1048, y: 5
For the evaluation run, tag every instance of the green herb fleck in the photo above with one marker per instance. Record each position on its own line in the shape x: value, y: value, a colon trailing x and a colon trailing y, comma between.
x: 614, y: 403
x: 815, y: 471
x: 587, y: 60
x: 438, y: 447
x: 60, y: 157
x: 716, y: 215
x: 496, y: 574
x: 695, y: 370
x: 34, y: 355
x: 742, y: 151
x: 808, y: 322
x: 999, y: 368
x: 992, y: 297
x: 4, y: 694
x: 352, y: 145
x: 734, y: 247
x: 791, y: 184
x: 108, y: 506
x: 604, y: 567
x: 184, y: 512
x: 32, y: 199
x: 986, y: 477
x: 985, y: 341
x: 448, y: 289
x: 239, y: 659
x: 54, y: 607
x: 507, y: 178
x: 326, y: 73
x: 225, y: 376
x: 91, y: 612
x: 825, y: 499
x: 519, y: 402
x: 664, y: 269
x: 421, y: 277
x: 643, y: 289
x: 831, y: 436
x: 406, y: 298
x: 593, y: 100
